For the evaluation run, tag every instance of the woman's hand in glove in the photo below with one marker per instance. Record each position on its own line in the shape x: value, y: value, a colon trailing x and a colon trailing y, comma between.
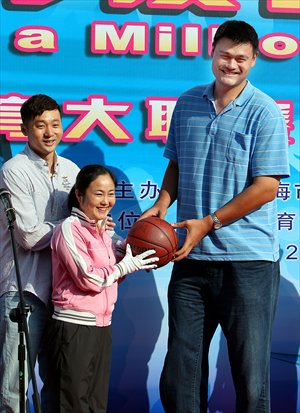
x: 132, y: 263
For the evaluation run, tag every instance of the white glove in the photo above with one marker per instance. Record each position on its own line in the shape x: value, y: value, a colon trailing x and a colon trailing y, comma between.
x: 131, y: 264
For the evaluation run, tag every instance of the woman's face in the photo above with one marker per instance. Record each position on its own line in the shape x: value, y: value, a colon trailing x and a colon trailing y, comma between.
x: 99, y: 198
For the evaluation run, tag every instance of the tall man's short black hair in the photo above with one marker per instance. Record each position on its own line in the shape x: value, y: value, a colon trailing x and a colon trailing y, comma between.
x: 36, y: 105
x: 239, y: 32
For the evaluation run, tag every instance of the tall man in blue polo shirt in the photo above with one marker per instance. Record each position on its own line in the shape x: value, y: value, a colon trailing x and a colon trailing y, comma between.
x: 227, y: 147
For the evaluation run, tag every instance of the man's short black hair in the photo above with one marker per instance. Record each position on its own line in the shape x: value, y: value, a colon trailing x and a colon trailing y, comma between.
x: 36, y: 105
x: 239, y: 32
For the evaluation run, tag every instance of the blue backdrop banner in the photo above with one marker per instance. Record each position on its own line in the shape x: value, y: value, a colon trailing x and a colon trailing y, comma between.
x: 117, y: 67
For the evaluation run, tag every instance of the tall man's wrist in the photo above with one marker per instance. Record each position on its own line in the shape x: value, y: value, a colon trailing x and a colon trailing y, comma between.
x: 217, y: 224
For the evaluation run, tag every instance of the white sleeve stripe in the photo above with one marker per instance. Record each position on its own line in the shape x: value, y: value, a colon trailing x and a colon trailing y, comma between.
x: 79, y: 261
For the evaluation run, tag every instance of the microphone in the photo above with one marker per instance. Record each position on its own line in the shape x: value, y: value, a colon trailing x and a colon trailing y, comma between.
x: 7, y: 205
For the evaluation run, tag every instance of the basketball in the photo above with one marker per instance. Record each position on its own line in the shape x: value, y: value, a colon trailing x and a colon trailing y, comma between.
x: 153, y: 233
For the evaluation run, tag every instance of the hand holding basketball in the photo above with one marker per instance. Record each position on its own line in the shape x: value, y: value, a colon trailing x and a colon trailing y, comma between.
x: 144, y: 261
x: 153, y: 233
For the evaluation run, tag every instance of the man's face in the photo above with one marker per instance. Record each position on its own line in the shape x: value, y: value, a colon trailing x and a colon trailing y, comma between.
x: 44, y: 132
x: 232, y: 62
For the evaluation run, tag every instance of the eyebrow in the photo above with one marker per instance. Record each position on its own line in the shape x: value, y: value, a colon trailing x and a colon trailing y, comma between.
x: 43, y: 121
x: 229, y: 54
x: 101, y: 190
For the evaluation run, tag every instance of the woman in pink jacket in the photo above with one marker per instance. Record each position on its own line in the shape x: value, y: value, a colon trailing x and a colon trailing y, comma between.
x: 85, y: 283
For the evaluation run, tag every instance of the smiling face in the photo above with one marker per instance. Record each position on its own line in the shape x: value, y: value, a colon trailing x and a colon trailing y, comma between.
x: 98, y: 199
x: 231, y: 64
x: 44, y: 132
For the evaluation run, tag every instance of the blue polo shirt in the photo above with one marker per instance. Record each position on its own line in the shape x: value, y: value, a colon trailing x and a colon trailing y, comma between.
x: 218, y: 156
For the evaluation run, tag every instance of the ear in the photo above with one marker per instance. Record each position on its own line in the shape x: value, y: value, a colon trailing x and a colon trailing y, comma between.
x: 24, y: 129
x: 254, y: 59
x: 78, y: 195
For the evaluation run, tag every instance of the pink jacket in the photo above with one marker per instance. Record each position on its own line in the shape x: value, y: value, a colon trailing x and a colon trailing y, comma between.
x: 84, y: 283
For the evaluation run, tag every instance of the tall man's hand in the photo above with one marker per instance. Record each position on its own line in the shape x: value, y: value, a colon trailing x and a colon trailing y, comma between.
x: 196, y: 230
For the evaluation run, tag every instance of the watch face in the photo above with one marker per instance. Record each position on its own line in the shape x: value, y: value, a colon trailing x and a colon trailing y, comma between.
x: 217, y: 223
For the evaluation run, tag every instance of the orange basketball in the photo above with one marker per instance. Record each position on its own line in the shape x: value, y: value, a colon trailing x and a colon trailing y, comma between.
x: 153, y: 233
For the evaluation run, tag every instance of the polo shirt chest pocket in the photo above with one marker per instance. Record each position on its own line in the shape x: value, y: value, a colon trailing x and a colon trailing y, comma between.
x: 238, y: 148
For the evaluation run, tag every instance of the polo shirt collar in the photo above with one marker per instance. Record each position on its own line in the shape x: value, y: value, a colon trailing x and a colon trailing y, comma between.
x: 243, y: 97
x: 38, y: 161
x: 208, y: 91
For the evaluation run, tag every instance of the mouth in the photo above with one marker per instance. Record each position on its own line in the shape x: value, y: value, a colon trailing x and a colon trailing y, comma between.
x: 102, y: 209
x: 229, y: 73
x: 50, y: 142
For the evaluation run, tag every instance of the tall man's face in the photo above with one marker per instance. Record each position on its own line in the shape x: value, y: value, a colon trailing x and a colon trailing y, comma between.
x: 232, y: 63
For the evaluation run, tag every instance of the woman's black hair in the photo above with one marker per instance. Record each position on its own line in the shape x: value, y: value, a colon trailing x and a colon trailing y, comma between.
x: 84, y: 178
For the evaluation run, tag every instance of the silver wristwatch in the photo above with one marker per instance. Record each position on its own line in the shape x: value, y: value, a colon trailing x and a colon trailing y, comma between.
x: 217, y: 223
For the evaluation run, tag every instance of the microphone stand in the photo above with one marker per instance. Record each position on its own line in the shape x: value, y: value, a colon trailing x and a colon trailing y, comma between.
x: 19, y: 315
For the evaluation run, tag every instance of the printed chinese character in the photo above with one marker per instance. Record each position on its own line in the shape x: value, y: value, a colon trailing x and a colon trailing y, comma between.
x: 126, y: 220
x: 297, y: 187
x: 285, y: 220
x: 149, y: 190
x: 283, y: 191
x: 124, y: 190
x: 10, y: 117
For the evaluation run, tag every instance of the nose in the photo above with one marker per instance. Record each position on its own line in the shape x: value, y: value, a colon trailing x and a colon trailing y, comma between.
x: 104, y: 200
x: 49, y: 131
x: 231, y: 63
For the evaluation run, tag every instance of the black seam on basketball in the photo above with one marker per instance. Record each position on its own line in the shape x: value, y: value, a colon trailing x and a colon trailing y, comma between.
x: 141, y: 239
x: 150, y: 222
